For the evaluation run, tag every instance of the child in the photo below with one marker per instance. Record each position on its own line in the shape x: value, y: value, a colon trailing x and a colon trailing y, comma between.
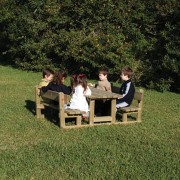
x: 103, y: 82
x: 58, y: 83
x: 81, y: 90
x: 47, y: 77
x: 127, y: 89
x: 102, y: 107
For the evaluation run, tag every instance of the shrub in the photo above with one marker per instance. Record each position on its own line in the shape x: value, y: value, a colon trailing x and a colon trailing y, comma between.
x: 84, y: 35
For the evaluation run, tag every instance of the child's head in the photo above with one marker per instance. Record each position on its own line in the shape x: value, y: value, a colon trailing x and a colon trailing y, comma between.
x: 48, y: 74
x: 59, y: 77
x: 103, y: 73
x: 126, y: 73
x: 82, y: 80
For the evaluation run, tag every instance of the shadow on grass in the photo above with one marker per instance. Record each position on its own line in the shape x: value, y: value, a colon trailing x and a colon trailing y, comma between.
x: 31, y: 106
x: 50, y: 114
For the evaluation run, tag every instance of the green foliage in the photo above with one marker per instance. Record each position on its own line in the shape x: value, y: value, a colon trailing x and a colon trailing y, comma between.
x: 84, y: 35
x: 161, y: 62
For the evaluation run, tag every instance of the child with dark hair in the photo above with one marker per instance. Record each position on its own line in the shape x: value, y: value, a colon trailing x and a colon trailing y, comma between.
x: 103, y: 82
x: 81, y: 90
x: 47, y: 77
x: 58, y: 83
x: 102, y: 106
x: 127, y: 89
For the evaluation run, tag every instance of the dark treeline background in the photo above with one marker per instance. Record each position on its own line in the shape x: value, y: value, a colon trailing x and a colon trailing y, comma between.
x: 82, y: 35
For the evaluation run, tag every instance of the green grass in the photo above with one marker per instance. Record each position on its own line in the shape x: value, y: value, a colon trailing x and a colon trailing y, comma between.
x: 38, y: 149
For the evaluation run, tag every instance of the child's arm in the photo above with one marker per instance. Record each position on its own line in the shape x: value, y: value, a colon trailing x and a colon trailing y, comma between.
x: 129, y: 92
x: 87, y: 92
x: 91, y: 85
x: 46, y: 88
x: 66, y: 89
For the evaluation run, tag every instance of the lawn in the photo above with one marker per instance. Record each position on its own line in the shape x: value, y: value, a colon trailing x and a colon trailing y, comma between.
x: 38, y: 149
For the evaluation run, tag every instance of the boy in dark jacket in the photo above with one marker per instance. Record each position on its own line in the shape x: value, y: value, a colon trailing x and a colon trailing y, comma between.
x: 127, y: 89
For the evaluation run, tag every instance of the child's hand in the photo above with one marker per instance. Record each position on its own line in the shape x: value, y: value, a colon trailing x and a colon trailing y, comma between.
x: 91, y: 85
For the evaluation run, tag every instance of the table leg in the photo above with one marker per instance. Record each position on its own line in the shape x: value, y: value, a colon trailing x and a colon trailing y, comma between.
x: 91, y: 113
x: 113, y: 110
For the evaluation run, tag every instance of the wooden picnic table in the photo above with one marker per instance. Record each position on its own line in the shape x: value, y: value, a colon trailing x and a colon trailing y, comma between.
x: 98, y: 94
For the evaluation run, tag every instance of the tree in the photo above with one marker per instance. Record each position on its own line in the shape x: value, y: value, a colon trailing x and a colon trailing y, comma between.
x: 84, y: 35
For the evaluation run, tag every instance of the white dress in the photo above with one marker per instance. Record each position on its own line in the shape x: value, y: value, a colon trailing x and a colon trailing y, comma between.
x: 78, y: 100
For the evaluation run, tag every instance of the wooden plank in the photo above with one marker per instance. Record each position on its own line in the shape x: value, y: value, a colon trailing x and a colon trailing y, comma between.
x: 72, y: 116
x: 52, y: 95
x: 86, y: 125
x: 73, y: 111
x: 101, y: 94
x: 138, y: 96
x: 66, y: 98
x: 113, y: 110
x: 103, y: 119
x: 40, y: 106
x: 51, y: 105
x: 129, y: 109
x: 91, y: 113
x: 127, y: 122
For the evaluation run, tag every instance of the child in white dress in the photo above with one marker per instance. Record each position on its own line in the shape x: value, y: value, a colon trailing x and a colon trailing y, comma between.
x: 81, y: 90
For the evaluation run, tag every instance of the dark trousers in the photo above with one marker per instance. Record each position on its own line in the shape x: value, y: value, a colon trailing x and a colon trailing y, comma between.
x: 103, y: 107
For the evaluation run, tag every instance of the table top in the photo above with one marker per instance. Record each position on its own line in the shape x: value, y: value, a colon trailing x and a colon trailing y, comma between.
x: 101, y: 94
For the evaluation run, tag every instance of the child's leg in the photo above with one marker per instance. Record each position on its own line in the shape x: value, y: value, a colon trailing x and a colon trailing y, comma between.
x: 120, y: 103
x: 98, y: 106
x: 106, y: 108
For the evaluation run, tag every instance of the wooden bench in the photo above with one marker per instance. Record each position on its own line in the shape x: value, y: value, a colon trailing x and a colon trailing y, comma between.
x: 135, y: 108
x: 57, y: 100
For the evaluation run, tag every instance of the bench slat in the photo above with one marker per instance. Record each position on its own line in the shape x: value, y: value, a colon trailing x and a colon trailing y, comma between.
x: 129, y: 109
x: 73, y: 111
x: 52, y: 95
x: 51, y: 105
x: 138, y: 96
x: 102, y: 119
x: 103, y: 94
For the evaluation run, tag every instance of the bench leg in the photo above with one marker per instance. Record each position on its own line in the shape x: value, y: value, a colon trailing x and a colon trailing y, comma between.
x: 113, y: 110
x: 138, y: 116
x: 39, y: 106
x: 91, y: 113
x: 61, y: 120
x: 38, y: 112
x: 124, y: 117
x: 78, y: 120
